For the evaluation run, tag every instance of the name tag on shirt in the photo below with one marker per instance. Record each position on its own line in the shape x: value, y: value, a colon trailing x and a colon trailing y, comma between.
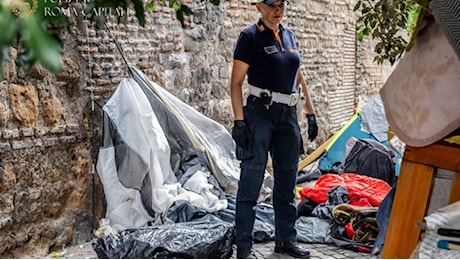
x: 271, y: 49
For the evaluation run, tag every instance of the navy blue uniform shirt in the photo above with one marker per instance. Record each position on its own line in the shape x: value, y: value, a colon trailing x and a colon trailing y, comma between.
x: 273, y: 65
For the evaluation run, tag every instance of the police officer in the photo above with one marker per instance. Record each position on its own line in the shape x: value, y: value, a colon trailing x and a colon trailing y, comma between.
x: 265, y: 120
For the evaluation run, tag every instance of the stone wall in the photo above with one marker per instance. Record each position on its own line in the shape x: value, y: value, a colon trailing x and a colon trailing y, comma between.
x: 46, y: 184
x: 49, y: 124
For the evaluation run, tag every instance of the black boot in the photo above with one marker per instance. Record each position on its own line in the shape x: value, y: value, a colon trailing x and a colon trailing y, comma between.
x: 245, y: 253
x: 291, y: 248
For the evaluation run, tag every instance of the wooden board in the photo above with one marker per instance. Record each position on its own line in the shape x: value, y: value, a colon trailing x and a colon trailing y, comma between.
x: 439, y: 155
x: 410, y: 205
x: 413, y: 194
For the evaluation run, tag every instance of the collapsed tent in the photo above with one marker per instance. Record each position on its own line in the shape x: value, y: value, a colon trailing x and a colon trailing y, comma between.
x: 187, y: 129
x: 156, y: 150
x: 162, y: 162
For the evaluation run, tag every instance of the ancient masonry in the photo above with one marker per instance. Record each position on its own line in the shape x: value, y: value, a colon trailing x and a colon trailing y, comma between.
x: 50, y: 194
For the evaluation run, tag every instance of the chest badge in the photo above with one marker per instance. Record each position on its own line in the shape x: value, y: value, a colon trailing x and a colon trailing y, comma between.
x: 271, y: 49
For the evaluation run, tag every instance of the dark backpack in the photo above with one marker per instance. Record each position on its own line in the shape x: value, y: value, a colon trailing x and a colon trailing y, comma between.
x: 366, y: 159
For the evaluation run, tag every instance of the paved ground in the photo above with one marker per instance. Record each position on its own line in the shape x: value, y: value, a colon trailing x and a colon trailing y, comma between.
x: 317, y: 251
x: 262, y: 250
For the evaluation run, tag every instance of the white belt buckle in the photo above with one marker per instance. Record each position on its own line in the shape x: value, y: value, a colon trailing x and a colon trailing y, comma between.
x: 294, y: 99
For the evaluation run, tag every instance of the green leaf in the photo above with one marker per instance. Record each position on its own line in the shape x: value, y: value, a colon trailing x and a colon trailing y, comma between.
x: 392, y: 60
x: 150, y: 6
x: 9, y: 26
x: 360, y: 36
x: 180, y: 17
x: 365, y: 10
x: 140, y: 12
x: 379, y: 47
x: 176, y: 6
x: 366, y: 31
x: 357, y: 6
x: 183, y: 10
x: 373, y: 22
x: 41, y: 45
x: 186, y: 9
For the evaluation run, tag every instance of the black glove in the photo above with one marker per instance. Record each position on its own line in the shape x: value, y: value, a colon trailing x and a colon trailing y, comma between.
x: 312, y: 127
x: 241, y: 134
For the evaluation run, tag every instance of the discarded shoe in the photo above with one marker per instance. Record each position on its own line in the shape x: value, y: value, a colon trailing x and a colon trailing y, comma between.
x: 245, y: 253
x: 291, y: 248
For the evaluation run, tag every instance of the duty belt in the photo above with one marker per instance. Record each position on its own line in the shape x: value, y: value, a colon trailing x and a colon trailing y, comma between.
x: 268, y: 96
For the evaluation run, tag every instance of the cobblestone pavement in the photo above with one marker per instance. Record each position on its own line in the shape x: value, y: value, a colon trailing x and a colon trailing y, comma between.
x: 262, y: 250
x: 317, y: 251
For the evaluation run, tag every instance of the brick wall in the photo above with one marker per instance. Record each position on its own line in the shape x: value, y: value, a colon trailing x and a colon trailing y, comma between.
x: 49, y: 126
x: 195, y: 63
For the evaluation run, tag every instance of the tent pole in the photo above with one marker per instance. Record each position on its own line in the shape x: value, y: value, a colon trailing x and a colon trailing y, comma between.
x: 120, y: 49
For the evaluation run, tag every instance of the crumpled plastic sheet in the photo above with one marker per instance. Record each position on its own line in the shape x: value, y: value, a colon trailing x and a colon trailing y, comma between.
x: 264, y: 224
x: 178, y: 240
x: 374, y: 120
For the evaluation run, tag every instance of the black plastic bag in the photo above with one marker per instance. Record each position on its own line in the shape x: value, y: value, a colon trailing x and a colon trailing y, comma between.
x: 178, y: 240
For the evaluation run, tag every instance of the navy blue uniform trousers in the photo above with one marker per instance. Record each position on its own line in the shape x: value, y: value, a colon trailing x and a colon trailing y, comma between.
x: 276, y: 130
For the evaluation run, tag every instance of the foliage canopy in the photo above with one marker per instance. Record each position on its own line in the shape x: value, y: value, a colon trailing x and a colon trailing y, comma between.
x: 385, y: 21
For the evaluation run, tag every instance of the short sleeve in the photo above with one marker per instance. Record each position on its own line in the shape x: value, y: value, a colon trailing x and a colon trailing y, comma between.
x: 294, y: 40
x: 244, y: 48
